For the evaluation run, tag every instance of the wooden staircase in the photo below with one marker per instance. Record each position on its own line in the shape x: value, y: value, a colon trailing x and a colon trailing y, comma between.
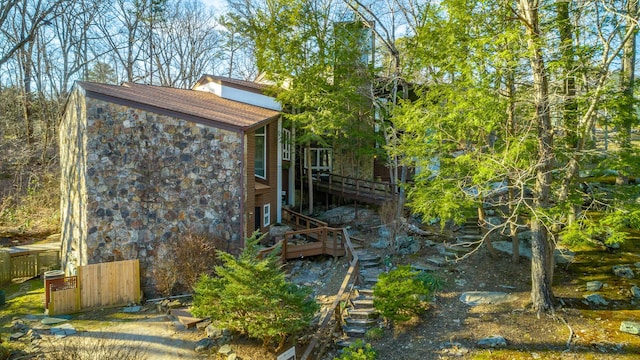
x: 361, y: 315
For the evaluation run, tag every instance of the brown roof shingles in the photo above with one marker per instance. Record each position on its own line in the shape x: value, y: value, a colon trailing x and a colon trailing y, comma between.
x: 194, y: 104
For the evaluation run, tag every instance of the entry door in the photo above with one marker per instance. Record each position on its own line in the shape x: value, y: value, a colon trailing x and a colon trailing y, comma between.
x: 258, y: 220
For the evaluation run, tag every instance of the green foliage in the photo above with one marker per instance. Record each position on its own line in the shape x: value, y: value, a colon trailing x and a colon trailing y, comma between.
x: 375, y: 333
x: 403, y: 293
x: 358, y: 351
x: 251, y: 296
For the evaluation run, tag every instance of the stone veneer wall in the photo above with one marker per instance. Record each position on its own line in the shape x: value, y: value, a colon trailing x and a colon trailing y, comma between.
x: 146, y: 179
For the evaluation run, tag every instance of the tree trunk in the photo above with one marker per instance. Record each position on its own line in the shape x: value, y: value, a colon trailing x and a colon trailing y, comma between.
x: 541, y: 261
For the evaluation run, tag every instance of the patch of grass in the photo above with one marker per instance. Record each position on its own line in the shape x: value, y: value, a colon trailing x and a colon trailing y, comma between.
x: 21, y: 299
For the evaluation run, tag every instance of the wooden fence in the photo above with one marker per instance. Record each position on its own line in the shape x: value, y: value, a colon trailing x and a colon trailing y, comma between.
x: 97, y: 285
x: 27, y: 263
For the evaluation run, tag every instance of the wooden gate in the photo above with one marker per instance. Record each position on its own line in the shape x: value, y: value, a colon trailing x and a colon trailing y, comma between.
x: 98, y: 285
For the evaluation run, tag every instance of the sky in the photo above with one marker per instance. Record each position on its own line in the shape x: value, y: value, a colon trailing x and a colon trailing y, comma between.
x: 217, y: 4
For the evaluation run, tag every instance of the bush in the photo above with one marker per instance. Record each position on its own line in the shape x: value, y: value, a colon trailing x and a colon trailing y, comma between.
x: 251, y: 296
x: 179, y: 265
x: 85, y: 348
x: 358, y: 351
x: 403, y: 293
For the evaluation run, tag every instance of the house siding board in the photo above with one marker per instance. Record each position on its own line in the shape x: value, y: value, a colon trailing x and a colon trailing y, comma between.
x: 149, y: 178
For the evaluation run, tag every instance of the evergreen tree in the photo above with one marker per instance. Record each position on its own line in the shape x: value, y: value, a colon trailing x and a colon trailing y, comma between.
x: 251, y: 296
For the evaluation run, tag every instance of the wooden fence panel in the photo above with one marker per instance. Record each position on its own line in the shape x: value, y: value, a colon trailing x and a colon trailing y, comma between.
x: 109, y: 284
x: 65, y: 301
x: 48, y: 260
x: 24, y: 266
x: 5, y: 267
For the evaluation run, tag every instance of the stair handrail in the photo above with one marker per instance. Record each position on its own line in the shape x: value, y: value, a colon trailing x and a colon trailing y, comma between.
x: 348, y: 281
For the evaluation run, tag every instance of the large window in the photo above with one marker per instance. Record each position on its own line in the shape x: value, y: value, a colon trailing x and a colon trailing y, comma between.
x: 261, y: 153
x: 321, y: 159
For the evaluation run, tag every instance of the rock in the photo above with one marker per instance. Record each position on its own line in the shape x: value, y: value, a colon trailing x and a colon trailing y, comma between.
x: 19, y: 326
x: 594, y: 285
x: 492, y: 342
x: 63, y: 330
x: 630, y: 327
x: 407, y: 245
x: 213, y: 332
x: 174, y: 304
x: 233, y: 356
x: 132, y: 309
x: 635, y: 291
x: 561, y: 256
x: 55, y: 320
x: 340, y: 215
x: 460, y: 282
x: 623, y: 271
x: 203, y: 345
x: 380, y: 244
x: 474, y: 298
x: 436, y: 261
x: 16, y: 336
x: 225, y: 350
x: 596, y: 299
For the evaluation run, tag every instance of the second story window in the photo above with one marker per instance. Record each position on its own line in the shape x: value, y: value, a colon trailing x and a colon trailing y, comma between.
x: 261, y: 153
x: 286, y: 144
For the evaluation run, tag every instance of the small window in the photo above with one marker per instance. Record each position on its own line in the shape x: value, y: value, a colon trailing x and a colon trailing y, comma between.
x: 261, y: 153
x: 266, y: 213
x: 286, y: 144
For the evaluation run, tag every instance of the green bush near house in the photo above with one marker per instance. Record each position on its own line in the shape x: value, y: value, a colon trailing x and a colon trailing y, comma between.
x: 403, y: 293
x: 358, y: 351
x: 252, y: 296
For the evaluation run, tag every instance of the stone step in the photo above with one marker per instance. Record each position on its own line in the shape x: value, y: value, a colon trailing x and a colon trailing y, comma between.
x: 354, y: 331
x: 370, y: 280
x: 366, y: 292
x: 346, y: 342
x: 363, y: 303
x: 369, y: 264
x: 368, y: 257
x: 362, y: 313
x: 366, y: 323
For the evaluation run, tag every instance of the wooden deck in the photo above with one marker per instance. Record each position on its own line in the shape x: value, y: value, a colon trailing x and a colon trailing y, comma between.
x: 364, y: 191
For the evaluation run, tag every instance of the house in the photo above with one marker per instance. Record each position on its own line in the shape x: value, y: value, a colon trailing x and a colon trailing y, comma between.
x: 142, y: 164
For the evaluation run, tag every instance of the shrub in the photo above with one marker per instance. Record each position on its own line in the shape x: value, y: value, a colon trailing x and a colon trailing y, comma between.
x: 85, y: 348
x: 403, y: 293
x: 179, y: 264
x: 375, y: 333
x: 358, y: 351
x: 251, y: 296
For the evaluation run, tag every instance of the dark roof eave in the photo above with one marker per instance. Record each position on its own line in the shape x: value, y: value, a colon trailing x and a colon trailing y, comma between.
x: 176, y: 114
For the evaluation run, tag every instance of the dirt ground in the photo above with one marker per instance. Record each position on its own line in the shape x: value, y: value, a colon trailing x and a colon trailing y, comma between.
x: 449, y: 329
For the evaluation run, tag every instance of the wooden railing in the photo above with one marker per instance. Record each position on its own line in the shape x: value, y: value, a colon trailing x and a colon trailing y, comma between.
x: 335, y: 311
x: 346, y: 186
x: 316, y: 241
x: 28, y: 261
x: 300, y: 221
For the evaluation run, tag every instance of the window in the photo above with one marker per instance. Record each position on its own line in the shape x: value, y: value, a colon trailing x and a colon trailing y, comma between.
x: 320, y: 159
x: 286, y: 144
x: 261, y: 153
x: 266, y: 213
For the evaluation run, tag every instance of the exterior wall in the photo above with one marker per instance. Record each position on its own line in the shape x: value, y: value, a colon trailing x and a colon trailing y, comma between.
x: 73, y: 186
x: 265, y: 196
x: 149, y: 178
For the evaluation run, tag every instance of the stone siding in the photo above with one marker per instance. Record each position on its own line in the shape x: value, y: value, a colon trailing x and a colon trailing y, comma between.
x: 149, y: 178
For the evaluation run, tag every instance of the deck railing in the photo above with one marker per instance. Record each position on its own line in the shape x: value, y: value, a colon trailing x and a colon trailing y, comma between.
x: 300, y: 221
x: 346, y: 186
